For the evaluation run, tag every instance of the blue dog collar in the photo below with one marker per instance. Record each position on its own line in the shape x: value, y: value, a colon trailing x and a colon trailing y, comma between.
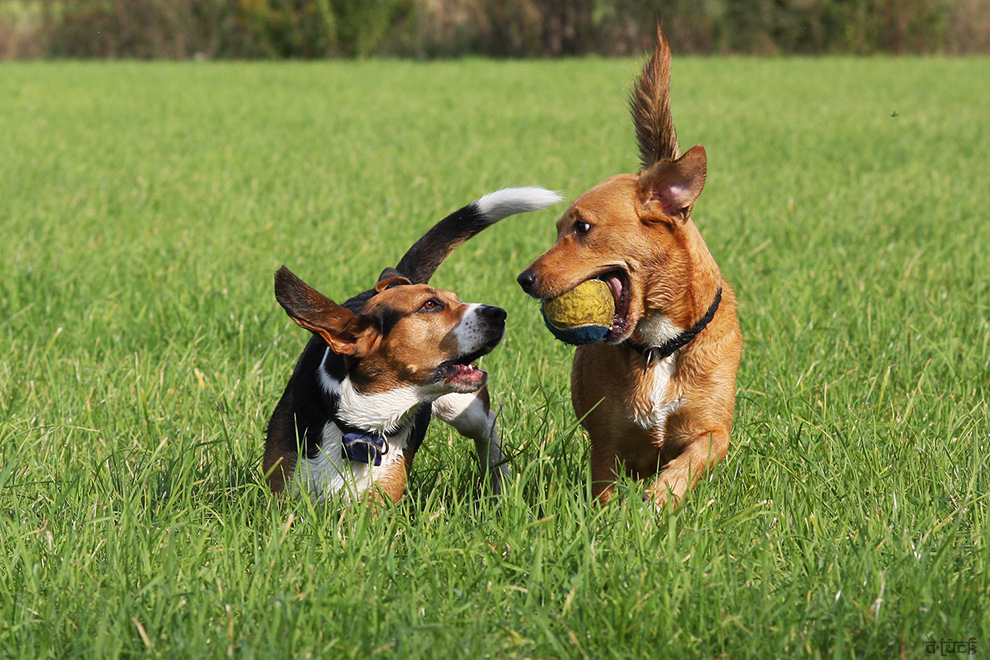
x: 364, y: 447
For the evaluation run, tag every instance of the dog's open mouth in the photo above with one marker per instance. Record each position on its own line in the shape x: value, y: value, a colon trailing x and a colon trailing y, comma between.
x: 461, y: 374
x: 618, y: 284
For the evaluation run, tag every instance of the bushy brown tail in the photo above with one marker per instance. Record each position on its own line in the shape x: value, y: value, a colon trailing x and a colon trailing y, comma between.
x: 650, y: 107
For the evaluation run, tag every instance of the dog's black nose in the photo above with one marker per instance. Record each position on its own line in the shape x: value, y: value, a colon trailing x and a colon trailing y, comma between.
x: 527, y: 280
x: 492, y: 312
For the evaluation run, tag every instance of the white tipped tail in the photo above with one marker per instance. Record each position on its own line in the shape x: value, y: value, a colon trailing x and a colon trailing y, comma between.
x: 423, y: 258
x: 502, y: 203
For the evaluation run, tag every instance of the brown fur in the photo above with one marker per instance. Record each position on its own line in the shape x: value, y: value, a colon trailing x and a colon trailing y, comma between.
x: 650, y: 107
x: 392, y: 484
x: 640, y: 226
x: 412, y: 349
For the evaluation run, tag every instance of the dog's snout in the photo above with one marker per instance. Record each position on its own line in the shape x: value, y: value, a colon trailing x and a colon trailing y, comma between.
x: 527, y: 280
x: 492, y: 313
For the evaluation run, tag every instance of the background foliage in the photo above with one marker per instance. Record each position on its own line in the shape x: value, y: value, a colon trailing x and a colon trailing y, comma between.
x: 513, y: 28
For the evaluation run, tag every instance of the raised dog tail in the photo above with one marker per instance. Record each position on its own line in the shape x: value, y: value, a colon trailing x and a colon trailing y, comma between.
x: 650, y: 108
x: 426, y: 255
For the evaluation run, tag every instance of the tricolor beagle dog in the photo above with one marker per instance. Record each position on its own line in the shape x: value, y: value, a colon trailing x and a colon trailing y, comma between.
x: 378, y: 367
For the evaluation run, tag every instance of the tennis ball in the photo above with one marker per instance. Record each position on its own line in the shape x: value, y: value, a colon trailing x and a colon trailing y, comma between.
x: 583, y: 315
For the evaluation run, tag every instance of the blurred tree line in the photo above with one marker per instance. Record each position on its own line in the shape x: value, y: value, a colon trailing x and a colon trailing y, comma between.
x: 498, y: 28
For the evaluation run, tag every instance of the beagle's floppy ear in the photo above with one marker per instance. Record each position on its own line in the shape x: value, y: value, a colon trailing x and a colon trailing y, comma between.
x: 671, y: 187
x: 310, y: 309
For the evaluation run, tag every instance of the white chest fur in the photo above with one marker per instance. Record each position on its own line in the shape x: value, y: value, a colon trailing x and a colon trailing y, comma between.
x: 655, y: 399
x: 329, y: 472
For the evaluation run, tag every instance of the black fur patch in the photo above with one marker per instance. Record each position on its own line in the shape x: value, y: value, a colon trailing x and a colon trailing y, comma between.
x: 386, y: 320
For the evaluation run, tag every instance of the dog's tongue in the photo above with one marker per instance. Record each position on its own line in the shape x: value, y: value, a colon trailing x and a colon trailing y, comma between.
x: 467, y: 373
x: 616, y: 287
x: 614, y: 283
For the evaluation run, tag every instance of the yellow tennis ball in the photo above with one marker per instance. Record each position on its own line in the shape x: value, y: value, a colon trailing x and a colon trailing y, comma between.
x: 583, y: 315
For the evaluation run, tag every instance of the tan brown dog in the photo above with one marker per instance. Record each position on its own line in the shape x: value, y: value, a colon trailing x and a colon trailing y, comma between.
x: 657, y: 394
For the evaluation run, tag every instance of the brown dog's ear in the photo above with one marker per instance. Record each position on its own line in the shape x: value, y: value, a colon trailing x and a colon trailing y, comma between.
x: 675, y: 185
x: 311, y: 310
x: 388, y: 283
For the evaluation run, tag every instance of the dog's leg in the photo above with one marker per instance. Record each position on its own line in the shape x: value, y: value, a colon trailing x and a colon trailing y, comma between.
x: 604, y: 472
x: 281, y: 447
x: 472, y: 417
x: 391, y: 484
x: 681, y: 474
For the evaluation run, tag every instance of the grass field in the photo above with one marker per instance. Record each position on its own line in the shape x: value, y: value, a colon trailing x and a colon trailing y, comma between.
x: 145, y: 207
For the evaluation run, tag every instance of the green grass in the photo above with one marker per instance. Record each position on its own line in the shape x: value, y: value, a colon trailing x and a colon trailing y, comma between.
x: 145, y: 207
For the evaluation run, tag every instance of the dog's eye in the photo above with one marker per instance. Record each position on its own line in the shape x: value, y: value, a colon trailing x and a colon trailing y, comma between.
x: 582, y: 227
x: 431, y: 305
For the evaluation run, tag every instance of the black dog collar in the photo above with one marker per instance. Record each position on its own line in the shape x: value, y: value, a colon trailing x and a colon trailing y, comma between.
x: 668, y: 348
